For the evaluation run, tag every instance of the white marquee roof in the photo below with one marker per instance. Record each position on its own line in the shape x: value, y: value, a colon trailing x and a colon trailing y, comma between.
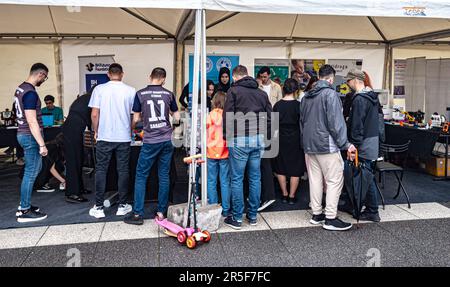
x: 359, y: 20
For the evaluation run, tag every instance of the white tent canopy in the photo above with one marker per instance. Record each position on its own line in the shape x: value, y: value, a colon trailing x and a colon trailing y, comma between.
x: 383, y: 22
x: 429, y: 8
x: 350, y: 20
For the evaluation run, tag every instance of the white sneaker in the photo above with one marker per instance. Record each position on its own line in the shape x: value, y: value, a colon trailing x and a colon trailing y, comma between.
x: 97, y: 212
x: 124, y: 209
x: 266, y: 204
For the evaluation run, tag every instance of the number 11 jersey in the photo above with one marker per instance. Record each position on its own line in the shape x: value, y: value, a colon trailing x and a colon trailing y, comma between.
x: 155, y: 104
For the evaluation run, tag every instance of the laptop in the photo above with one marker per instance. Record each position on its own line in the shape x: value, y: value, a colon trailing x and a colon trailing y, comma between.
x: 47, y: 120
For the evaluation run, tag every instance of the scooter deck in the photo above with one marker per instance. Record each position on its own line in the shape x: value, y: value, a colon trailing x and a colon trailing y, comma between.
x: 167, y: 232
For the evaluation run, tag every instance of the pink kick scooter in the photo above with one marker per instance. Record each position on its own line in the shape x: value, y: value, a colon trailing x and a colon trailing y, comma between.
x: 187, y: 235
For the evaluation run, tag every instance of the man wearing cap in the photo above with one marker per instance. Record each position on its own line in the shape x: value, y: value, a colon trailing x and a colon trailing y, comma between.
x: 363, y: 132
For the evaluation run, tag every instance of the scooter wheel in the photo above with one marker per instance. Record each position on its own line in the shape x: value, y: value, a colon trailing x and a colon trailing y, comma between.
x: 208, y: 236
x: 181, y: 237
x: 190, y: 242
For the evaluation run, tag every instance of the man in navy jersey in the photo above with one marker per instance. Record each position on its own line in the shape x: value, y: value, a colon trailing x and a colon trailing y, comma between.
x: 153, y: 105
x: 31, y: 139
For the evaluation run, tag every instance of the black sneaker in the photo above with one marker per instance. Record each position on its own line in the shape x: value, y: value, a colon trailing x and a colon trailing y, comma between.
x: 232, y: 223
x: 252, y: 221
x: 266, y: 204
x: 366, y: 216
x: 76, y: 199
x: 336, y: 225
x: 45, y: 188
x: 133, y: 218
x: 291, y: 201
x: 317, y: 219
x: 19, y: 212
x: 31, y: 216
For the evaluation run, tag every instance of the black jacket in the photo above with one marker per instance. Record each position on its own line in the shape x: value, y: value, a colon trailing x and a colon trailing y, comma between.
x: 363, y: 124
x: 248, y: 103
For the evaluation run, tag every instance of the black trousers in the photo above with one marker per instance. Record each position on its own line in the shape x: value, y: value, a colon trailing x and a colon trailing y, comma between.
x: 104, y: 151
x: 73, y: 131
x: 267, y: 180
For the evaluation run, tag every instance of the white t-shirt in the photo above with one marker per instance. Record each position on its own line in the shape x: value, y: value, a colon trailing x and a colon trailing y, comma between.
x: 267, y: 89
x: 115, y: 101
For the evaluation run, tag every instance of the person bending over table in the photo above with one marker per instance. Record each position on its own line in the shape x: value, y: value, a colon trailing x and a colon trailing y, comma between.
x: 78, y: 119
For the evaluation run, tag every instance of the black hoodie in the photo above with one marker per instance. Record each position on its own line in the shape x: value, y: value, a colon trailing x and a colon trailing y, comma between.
x: 244, y: 98
x: 220, y: 86
x: 363, y: 124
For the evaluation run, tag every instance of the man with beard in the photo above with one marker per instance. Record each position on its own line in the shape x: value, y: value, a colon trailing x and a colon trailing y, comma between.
x: 31, y: 139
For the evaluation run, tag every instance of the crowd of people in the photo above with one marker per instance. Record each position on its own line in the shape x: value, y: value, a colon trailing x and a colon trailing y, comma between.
x: 311, y: 132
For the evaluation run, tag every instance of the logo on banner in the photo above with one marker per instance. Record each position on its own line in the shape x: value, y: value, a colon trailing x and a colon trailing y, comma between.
x: 209, y: 65
x: 414, y: 11
x: 90, y: 67
x: 223, y: 62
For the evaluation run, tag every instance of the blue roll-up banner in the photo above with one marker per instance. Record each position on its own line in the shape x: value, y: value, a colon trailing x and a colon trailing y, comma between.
x: 213, y: 65
x: 93, y: 71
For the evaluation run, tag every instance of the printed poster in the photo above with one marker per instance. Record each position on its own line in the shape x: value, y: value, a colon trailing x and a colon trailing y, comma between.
x: 93, y: 71
x: 279, y: 69
x: 342, y: 67
x: 399, y: 78
x: 213, y: 64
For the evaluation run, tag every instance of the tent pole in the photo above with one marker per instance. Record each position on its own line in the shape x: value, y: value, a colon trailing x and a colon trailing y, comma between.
x: 204, y: 110
x: 59, y: 74
x: 387, y: 72
x: 194, y: 101
x: 179, y: 51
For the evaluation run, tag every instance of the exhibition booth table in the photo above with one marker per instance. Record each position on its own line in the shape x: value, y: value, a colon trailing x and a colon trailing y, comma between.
x: 422, y: 140
x: 8, y: 136
x: 152, y: 180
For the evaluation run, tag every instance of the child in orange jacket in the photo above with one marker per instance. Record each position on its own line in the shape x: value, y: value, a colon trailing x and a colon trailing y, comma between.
x: 217, y: 153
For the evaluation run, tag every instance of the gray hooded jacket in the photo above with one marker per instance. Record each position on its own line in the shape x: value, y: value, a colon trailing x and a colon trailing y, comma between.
x: 322, y: 123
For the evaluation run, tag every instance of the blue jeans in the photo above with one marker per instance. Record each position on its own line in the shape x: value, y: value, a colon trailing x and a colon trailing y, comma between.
x: 149, y: 154
x: 33, y: 164
x: 372, y: 193
x: 219, y: 168
x: 245, y: 151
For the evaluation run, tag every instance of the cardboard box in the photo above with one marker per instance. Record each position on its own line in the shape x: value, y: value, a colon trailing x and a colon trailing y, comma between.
x: 435, y: 166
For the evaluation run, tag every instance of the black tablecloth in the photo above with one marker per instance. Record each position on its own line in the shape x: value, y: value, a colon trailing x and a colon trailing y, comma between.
x: 422, y: 141
x: 8, y: 137
x: 152, y: 181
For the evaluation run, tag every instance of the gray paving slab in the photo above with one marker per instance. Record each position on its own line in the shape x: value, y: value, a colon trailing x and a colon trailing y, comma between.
x: 429, y: 238
x: 370, y: 241
x: 209, y: 254
x: 126, y: 253
x: 255, y: 249
x: 60, y: 255
x: 317, y: 247
x: 13, y: 257
x: 446, y: 204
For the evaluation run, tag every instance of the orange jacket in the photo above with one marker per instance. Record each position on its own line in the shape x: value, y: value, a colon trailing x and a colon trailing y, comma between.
x: 216, y: 145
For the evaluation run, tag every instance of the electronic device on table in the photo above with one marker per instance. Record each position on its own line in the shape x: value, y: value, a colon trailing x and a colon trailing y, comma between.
x: 47, y: 120
x: 8, y: 118
x: 437, y: 120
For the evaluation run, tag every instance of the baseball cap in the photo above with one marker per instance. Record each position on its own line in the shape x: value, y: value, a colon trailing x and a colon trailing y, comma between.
x: 355, y: 74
